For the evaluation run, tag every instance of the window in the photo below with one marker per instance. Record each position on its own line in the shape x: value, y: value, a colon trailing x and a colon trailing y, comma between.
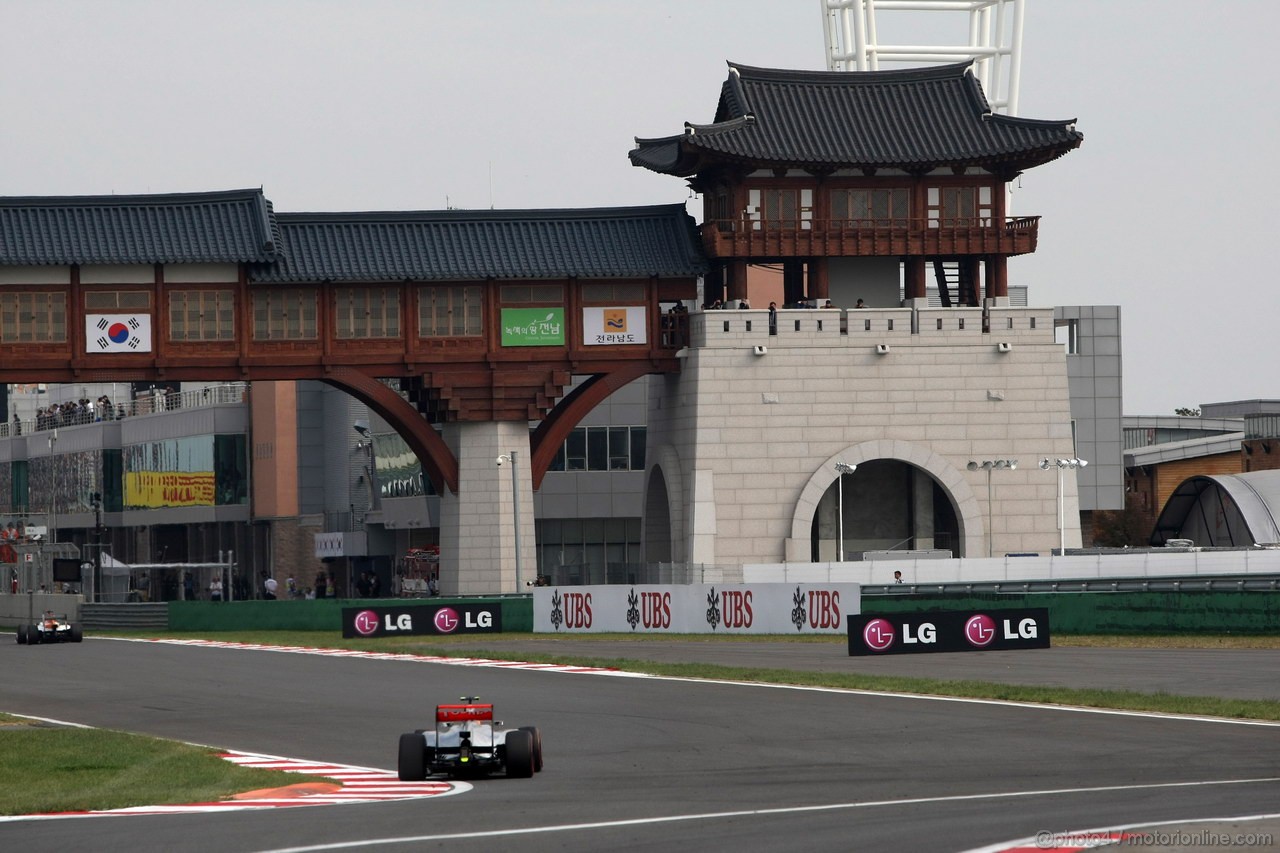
x: 959, y: 206
x: 202, y: 315
x: 613, y: 294
x: 366, y: 312
x: 637, y: 448
x: 602, y: 449
x: 284, y: 314
x: 777, y: 208
x: 37, y: 317
x: 597, y: 449
x: 117, y: 300
x: 575, y: 450
x: 870, y: 207
x: 450, y: 311
x: 540, y: 293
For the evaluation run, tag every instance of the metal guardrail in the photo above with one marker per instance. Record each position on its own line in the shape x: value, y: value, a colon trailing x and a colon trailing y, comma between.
x: 144, y: 403
x: 1185, y: 583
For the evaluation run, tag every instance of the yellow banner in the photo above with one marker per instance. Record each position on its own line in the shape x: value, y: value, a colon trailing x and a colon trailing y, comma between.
x: 167, y: 488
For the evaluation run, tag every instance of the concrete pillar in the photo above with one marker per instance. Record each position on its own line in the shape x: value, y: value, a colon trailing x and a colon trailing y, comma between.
x: 477, y: 525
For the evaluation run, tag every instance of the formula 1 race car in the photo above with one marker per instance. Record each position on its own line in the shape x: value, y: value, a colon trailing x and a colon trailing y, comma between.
x: 50, y: 629
x: 467, y: 741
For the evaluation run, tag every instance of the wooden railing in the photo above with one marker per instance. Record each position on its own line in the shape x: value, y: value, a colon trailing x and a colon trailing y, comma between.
x: 727, y: 238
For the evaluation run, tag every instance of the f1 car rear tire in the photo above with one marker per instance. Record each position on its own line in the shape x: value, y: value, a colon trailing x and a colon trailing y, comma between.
x: 22, y: 635
x: 520, y: 754
x: 537, y: 746
x: 77, y: 633
x: 411, y: 764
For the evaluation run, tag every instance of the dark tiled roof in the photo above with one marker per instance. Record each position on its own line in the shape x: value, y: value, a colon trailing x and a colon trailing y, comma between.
x: 218, y: 227
x: 453, y: 245
x: 916, y: 119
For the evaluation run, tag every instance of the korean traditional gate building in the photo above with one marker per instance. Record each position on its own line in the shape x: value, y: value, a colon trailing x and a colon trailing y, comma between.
x: 862, y: 187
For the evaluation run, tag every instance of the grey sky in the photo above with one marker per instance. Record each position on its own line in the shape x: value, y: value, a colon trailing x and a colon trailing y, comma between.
x: 392, y: 104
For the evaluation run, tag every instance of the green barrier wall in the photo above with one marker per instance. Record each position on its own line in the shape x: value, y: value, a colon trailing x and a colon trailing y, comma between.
x: 321, y: 615
x: 1115, y: 612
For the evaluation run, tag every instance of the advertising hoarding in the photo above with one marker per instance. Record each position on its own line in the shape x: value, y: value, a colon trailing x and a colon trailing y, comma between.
x: 948, y: 631
x: 759, y: 608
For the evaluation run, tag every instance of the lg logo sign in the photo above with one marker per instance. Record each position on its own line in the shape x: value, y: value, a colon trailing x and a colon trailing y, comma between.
x: 461, y: 618
x: 367, y: 623
x: 980, y: 630
x: 878, y: 634
x: 953, y: 631
x: 448, y: 620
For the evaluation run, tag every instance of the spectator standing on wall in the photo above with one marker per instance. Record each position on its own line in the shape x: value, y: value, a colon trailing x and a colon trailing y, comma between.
x: 215, y: 587
x: 269, y: 587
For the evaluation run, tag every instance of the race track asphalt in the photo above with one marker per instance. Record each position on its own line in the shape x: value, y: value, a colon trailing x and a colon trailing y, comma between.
x: 1224, y: 673
x: 645, y: 764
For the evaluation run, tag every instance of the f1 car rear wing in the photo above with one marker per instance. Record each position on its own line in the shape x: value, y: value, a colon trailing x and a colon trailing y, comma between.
x: 464, y: 713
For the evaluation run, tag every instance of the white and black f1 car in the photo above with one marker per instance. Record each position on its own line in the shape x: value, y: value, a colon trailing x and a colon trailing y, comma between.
x: 467, y: 741
x: 50, y: 629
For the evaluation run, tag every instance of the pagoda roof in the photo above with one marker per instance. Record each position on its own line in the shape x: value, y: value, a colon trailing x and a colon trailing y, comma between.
x: 459, y: 245
x: 916, y: 119
x: 241, y: 226
x: 232, y: 226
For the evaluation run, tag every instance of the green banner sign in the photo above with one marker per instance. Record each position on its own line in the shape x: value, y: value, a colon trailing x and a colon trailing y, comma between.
x: 533, y: 327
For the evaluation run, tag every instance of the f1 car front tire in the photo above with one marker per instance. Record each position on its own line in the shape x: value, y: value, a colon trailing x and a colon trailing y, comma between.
x: 412, y: 765
x: 520, y: 754
x: 537, y: 746
x: 33, y: 635
x: 77, y: 633
x: 22, y: 635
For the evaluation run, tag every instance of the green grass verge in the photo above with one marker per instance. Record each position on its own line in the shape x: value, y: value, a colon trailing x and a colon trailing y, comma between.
x: 56, y: 769
x: 471, y: 646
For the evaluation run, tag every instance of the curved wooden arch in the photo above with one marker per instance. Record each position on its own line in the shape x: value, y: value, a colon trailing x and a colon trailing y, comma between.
x: 570, y: 411
x: 438, y: 462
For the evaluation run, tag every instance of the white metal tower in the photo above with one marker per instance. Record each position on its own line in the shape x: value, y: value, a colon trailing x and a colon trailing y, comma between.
x: 995, y: 41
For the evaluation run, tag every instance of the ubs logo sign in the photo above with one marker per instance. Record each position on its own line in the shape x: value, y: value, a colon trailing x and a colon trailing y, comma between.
x: 818, y: 608
x: 948, y: 631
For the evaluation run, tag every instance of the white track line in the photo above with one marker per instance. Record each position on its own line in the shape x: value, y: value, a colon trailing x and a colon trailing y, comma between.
x: 1088, y: 837
x: 571, y: 827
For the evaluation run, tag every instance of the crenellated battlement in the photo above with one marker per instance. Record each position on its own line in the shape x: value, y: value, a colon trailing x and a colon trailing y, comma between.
x: 818, y: 327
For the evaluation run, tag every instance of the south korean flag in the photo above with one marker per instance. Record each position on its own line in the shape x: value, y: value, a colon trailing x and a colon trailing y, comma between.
x: 117, y: 333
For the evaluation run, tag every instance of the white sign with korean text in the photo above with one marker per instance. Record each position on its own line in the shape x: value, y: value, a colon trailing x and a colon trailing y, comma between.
x: 609, y: 326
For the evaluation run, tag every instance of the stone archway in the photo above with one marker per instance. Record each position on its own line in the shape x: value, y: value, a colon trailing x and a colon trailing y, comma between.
x: 948, y: 479
x: 662, y: 530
